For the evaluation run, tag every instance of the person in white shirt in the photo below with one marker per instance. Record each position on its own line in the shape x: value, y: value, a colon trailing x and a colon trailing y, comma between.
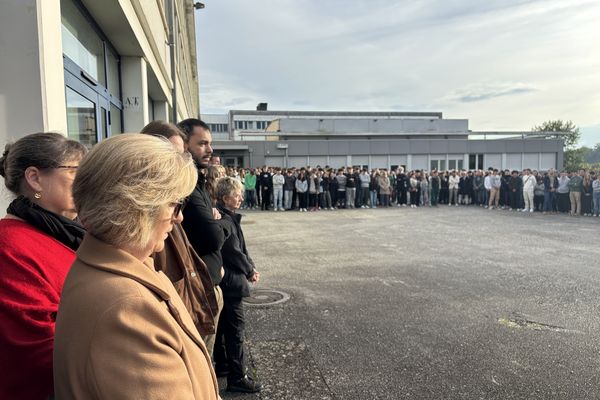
x: 278, y: 181
x: 453, y: 181
x: 529, y: 183
x: 487, y: 184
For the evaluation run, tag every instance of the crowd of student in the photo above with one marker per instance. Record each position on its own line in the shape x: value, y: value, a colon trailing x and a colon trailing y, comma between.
x: 312, y: 189
x: 123, y: 269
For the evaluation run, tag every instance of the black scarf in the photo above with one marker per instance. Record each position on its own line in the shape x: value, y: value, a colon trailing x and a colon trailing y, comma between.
x: 68, y: 232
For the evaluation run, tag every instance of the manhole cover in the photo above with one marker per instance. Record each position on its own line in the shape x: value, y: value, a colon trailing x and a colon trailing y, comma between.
x: 266, y: 297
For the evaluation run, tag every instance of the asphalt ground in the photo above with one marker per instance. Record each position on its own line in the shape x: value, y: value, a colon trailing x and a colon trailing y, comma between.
x: 431, y: 303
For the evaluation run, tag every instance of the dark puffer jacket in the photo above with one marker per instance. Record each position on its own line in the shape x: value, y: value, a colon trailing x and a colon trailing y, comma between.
x: 237, y: 263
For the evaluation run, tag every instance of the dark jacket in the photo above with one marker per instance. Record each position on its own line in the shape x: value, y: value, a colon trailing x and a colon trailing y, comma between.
x: 463, y: 185
x: 350, y: 180
x: 191, y: 279
x: 237, y: 263
x: 550, y: 184
x: 206, y: 234
x: 290, y: 182
x: 515, y: 183
x: 402, y: 182
x: 266, y: 180
x: 326, y: 183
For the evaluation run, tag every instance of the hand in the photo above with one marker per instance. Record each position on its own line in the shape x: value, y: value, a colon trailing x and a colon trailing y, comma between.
x: 216, y: 213
x: 255, y: 278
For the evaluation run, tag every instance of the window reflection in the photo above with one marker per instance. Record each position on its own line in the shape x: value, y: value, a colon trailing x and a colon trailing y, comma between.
x: 81, y: 119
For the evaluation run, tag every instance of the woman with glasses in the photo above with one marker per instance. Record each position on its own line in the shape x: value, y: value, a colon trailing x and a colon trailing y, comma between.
x: 38, y: 239
x: 122, y: 331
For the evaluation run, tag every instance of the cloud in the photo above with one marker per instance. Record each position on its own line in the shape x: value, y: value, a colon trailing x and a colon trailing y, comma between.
x: 491, y: 91
x: 533, y: 60
x: 590, y: 135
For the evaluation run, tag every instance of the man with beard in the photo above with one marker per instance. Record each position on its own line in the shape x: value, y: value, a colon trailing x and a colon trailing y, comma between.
x: 201, y: 221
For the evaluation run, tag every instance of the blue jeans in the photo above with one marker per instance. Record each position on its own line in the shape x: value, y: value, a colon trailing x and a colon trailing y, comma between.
x: 278, y: 198
x: 250, y: 198
x: 373, y: 198
x: 596, y: 210
x: 549, y: 201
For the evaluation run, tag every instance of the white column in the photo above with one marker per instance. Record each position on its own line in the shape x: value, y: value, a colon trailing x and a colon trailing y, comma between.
x: 134, y: 81
x: 503, y: 161
x: 32, y: 87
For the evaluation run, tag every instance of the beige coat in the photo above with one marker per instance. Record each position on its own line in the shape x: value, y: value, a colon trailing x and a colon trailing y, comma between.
x: 122, y: 332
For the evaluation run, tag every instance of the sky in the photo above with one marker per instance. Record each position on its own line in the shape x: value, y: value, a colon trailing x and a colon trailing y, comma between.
x: 504, y: 65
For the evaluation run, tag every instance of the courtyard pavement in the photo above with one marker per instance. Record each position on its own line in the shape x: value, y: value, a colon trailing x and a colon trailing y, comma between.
x: 442, y: 303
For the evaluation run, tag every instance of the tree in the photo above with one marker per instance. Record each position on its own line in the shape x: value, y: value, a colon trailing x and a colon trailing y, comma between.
x: 559, y: 125
x: 594, y: 155
x: 575, y: 158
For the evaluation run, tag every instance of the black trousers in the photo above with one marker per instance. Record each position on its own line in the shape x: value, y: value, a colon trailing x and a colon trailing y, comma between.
x: 266, y: 198
x: 229, y: 343
x: 514, y: 200
x: 401, y: 196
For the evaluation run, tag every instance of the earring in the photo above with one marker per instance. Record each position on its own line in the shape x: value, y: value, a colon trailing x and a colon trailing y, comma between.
x: 37, y: 195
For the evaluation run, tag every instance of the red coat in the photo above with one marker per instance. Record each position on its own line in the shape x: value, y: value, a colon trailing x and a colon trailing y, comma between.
x: 33, y: 268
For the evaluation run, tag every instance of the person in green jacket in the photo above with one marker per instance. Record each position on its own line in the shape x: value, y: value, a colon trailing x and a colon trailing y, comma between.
x: 250, y: 187
x: 575, y: 188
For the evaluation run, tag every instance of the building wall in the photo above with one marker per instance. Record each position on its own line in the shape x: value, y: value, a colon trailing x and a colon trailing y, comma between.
x: 373, y: 125
x: 538, y: 154
x: 33, y: 77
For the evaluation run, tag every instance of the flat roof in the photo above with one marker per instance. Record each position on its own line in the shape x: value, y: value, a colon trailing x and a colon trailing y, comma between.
x: 341, y: 113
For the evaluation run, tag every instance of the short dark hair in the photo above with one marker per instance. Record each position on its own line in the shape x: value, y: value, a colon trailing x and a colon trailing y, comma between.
x: 187, y: 126
x: 164, y: 129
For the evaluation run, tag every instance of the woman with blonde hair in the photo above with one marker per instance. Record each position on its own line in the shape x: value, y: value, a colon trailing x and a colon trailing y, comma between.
x: 122, y: 330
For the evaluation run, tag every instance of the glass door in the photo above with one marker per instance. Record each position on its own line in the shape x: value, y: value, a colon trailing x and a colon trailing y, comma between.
x: 82, y: 119
x: 88, y: 113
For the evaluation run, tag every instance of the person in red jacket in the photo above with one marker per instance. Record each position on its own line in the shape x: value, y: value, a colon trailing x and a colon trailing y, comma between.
x: 38, y: 239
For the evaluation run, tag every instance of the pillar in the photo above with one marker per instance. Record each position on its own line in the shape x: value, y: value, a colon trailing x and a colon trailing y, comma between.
x: 134, y: 80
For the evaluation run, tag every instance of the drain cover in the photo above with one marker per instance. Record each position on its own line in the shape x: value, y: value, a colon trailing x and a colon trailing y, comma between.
x: 266, y: 297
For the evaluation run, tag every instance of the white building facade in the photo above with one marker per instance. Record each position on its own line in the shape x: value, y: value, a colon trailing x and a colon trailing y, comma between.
x: 90, y: 69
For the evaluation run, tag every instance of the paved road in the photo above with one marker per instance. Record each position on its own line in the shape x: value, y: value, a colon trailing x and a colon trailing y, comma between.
x: 448, y: 303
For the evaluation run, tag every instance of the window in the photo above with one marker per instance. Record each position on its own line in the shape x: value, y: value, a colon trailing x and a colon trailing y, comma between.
x: 475, y: 161
x: 81, y: 119
x: 437, y: 164
x: 92, y: 77
x: 81, y: 43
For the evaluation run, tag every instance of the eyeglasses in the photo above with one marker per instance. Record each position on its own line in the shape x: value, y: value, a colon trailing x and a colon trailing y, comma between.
x: 179, y: 206
x: 67, y: 167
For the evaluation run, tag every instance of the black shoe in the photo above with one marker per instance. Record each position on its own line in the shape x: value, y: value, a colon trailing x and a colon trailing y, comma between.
x: 245, y: 385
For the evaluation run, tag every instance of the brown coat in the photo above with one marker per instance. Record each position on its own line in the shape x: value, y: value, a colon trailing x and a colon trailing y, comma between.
x: 190, y: 276
x: 122, y: 332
